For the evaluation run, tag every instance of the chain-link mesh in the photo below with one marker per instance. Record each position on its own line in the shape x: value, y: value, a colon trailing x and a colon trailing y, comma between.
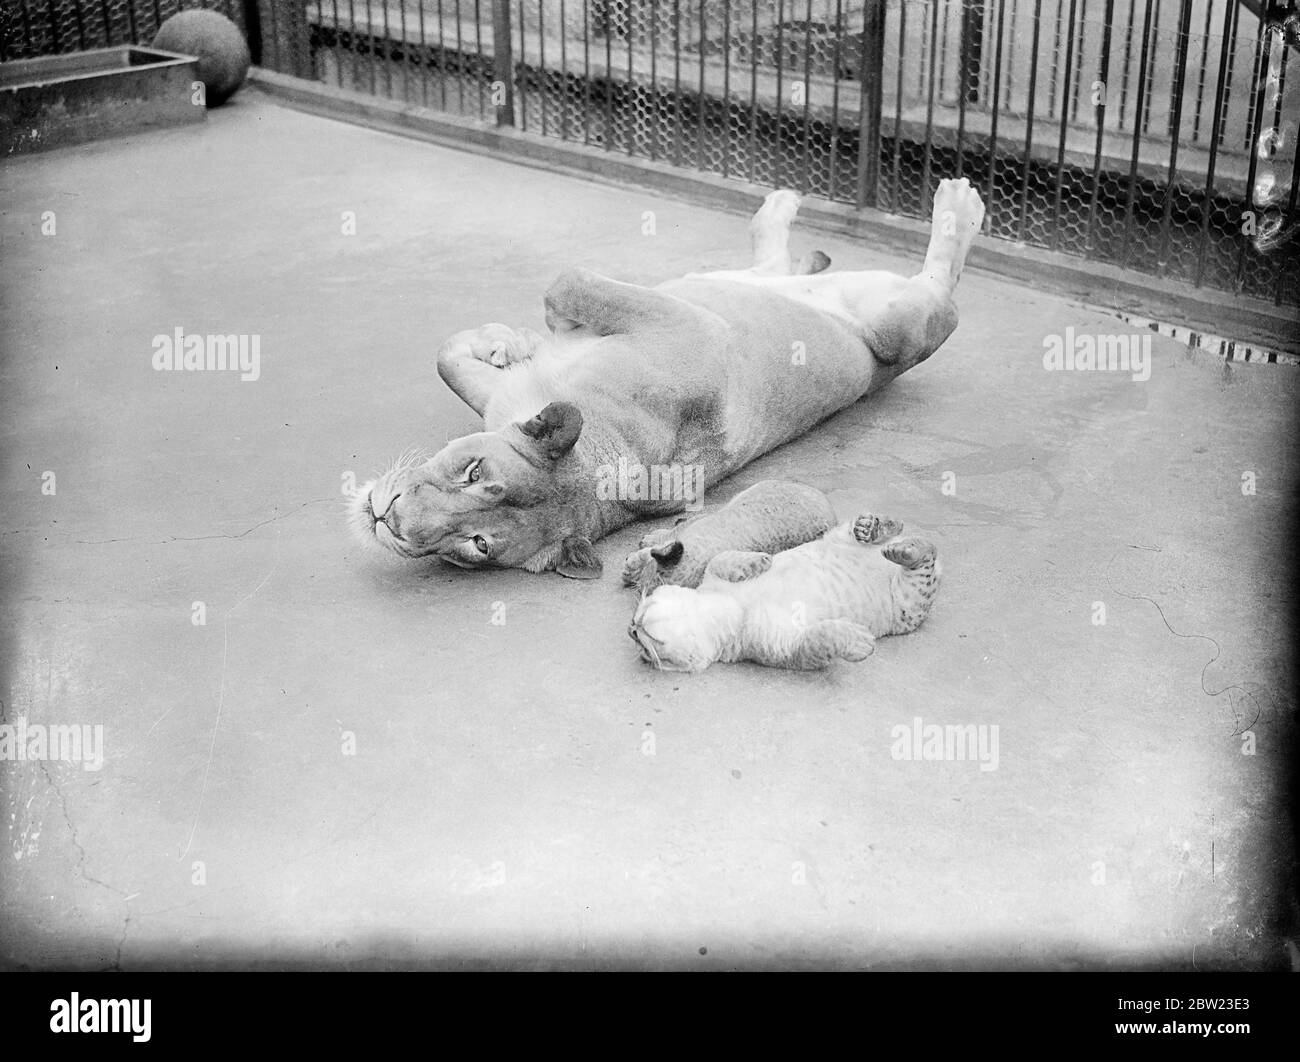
x: 1157, y: 135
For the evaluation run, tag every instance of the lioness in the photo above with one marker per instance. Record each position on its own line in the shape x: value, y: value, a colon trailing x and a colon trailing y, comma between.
x: 706, y: 372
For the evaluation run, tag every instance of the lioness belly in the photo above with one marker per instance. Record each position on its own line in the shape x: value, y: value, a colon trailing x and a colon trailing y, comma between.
x: 788, y: 365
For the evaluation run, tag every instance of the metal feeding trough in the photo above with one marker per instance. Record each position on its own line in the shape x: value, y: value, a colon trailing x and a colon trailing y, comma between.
x: 69, y: 99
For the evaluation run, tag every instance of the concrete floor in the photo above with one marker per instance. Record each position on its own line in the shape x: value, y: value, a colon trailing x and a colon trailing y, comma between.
x: 502, y: 807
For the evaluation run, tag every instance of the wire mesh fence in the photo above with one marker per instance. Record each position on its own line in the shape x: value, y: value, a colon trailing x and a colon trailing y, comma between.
x: 1158, y: 135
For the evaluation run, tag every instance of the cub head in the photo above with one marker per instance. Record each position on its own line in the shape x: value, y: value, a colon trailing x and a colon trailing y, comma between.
x: 675, y: 630
x: 496, y: 499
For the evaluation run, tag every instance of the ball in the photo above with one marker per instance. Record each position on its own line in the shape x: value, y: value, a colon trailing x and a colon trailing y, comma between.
x: 221, y: 48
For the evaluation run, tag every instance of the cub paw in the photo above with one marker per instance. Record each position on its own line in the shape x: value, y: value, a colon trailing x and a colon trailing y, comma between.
x: 858, y: 643
x: 870, y: 529
x: 910, y: 552
x: 735, y: 566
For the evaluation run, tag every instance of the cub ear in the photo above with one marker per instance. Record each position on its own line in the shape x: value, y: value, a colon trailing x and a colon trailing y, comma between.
x: 668, y: 555
x: 554, y: 430
x: 578, y: 559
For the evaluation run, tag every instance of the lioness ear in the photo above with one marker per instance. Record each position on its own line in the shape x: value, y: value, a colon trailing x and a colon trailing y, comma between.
x: 668, y: 555
x: 555, y: 429
x: 578, y: 559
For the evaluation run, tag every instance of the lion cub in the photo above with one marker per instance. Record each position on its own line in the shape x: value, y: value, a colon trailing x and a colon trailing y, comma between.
x: 769, y: 517
x: 800, y: 609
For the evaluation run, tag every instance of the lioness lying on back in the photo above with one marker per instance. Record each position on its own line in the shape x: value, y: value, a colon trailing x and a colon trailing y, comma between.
x: 696, y: 373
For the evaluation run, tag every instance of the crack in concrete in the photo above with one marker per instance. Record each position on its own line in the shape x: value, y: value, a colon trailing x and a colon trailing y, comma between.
x: 201, y: 538
x: 72, y: 829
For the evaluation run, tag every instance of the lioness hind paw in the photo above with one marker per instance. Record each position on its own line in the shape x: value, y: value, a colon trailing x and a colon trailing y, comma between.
x: 870, y: 529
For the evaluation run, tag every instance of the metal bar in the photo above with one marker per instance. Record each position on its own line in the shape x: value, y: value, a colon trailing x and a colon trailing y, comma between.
x: 1082, y: 40
x: 406, y: 61
x: 1029, y: 119
x: 835, y: 97
x: 806, y: 178
x: 1100, y: 118
x: 1282, y: 273
x: 1220, y: 98
x: 700, y: 121
x: 655, y: 124
x: 1065, y: 122
x: 503, y: 62
x: 631, y: 83
x: 388, y: 55
x: 370, y: 46
x: 677, y: 82
x: 478, y: 55
x: 564, y: 73
x: 726, y: 87
x: 1056, y: 63
x: 753, y: 96
x: 586, y: 72
x: 1137, y: 133
x: 1266, y: 43
x: 1128, y: 59
x: 1180, y: 78
x: 990, y: 201
x: 1150, y: 72
x: 1200, y: 82
x: 424, y: 60
x: 541, y: 44
x: 928, y: 161
x: 898, y: 105
x: 873, y: 65
x: 442, y: 54
x: 779, y: 158
x: 964, y: 57
x: 338, y: 58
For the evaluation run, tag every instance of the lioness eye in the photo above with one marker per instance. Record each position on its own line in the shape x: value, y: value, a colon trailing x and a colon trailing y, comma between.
x: 480, y: 544
x: 474, y: 473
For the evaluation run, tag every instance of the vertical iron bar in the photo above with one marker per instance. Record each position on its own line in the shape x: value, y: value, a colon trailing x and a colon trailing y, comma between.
x: 873, y: 65
x: 388, y: 55
x: 928, y: 161
x: 1150, y: 72
x: 406, y: 61
x: 1078, y: 60
x: 338, y: 58
x: 1065, y: 123
x: 1029, y: 119
x: 1138, y: 129
x: 442, y: 55
x: 655, y: 125
x: 586, y: 72
x: 1200, y: 82
x: 424, y: 60
x: 990, y: 200
x: 779, y: 139
x: 1183, y: 46
x: 898, y: 104
x: 1056, y: 62
x: 677, y: 82
x: 478, y: 55
x: 1220, y: 98
x: 609, y: 78
x: 835, y: 98
x: 700, y: 119
x: 805, y: 181
x: 503, y: 61
x: 370, y: 46
x: 726, y: 87
x: 1265, y: 45
x: 753, y: 96
x: 541, y: 60
x: 630, y: 105
x: 1288, y: 222
x: 1100, y: 118
x: 1128, y: 59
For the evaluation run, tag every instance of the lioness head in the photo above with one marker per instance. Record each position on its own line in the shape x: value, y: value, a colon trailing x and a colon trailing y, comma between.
x: 495, y: 499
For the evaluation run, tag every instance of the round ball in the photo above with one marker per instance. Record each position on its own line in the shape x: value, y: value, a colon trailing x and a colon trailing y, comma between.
x: 221, y: 48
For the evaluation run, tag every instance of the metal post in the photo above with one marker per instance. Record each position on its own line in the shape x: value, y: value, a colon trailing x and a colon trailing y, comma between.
x: 503, y: 60
x: 871, y: 73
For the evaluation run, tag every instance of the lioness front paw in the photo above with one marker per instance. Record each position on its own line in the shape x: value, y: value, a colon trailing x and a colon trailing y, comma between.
x: 635, y: 565
x: 497, y: 344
